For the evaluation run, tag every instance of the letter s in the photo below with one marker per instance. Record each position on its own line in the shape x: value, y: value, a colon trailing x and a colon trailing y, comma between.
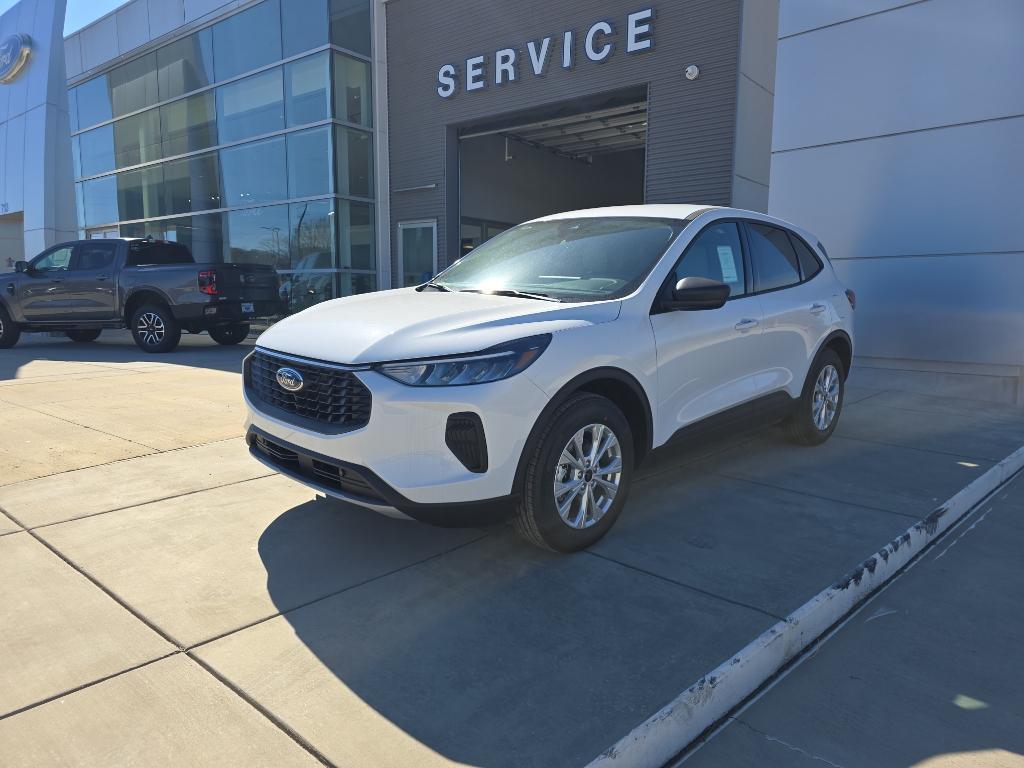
x: 446, y: 81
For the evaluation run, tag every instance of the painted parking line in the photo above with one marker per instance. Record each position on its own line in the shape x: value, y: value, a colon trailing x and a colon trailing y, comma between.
x: 713, y: 696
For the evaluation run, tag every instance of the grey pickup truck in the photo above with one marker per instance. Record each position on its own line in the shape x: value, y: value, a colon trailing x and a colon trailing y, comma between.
x: 153, y: 287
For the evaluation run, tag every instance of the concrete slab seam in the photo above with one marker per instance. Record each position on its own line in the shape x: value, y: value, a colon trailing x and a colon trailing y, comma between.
x: 666, y: 733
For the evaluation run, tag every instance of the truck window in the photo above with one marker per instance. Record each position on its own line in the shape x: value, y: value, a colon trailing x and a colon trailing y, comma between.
x: 145, y: 253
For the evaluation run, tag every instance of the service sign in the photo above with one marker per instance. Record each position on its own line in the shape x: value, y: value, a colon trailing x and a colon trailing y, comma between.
x: 14, y: 53
x: 596, y: 42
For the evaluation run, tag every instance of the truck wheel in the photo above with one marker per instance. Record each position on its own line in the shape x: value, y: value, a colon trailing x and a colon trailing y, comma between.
x: 578, y: 475
x: 83, y: 336
x: 10, y: 331
x: 155, y: 329
x: 230, y: 334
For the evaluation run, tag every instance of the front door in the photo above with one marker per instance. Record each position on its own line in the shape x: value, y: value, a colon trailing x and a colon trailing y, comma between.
x: 708, y: 359
x: 91, y: 282
x: 417, y: 252
x: 43, y: 290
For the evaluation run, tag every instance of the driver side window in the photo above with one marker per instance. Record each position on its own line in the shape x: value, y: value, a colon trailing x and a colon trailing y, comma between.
x: 56, y: 260
x: 716, y: 253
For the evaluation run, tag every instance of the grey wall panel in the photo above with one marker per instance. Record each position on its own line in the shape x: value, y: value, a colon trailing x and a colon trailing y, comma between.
x: 690, y: 123
x: 796, y: 16
x: 960, y: 309
x: 923, y: 65
x: 165, y: 16
x: 132, y: 25
x: 99, y: 42
x: 950, y: 190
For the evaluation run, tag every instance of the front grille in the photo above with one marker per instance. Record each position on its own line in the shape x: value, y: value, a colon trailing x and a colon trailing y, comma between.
x: 331, y: 399
x: 301, y: 466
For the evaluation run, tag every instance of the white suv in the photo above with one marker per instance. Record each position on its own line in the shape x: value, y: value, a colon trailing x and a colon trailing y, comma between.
x: 533, y: 375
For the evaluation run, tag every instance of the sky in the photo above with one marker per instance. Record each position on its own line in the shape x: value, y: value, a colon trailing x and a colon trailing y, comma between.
x: 80, y: 12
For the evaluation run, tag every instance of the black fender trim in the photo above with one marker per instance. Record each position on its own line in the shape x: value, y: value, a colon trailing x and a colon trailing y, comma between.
x: 840, y: 334
x: 574, y: 385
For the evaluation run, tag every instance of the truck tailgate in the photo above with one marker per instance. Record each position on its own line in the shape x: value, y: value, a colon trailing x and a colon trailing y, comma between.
x: 247, y: 282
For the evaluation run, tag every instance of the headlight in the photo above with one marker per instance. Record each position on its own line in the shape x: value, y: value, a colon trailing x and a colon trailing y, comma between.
x: 492, y: 364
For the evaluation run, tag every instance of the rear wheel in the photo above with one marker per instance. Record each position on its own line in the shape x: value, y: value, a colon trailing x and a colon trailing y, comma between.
x: 821, y: 402
x: 230, y: 334
x: 10, y: 331
x: 83, y: 336
x: 155, y: 329
x: 578, y: 476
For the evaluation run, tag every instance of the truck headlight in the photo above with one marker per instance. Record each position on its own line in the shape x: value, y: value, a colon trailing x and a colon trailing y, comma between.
x: 492, y: 364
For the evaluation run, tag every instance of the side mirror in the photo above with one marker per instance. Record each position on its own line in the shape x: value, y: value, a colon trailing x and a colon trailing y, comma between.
x: 692, y: 293
x: 21, y: 266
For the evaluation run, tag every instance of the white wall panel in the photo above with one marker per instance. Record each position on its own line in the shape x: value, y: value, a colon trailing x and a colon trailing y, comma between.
x: 132, y: 25
x: 797, y: 16
x: 923, y: 65
x: 164, y: 16
x: 99, y: 42
x: 962, y: 309
x: 73, y: 56
x: 951, y: 190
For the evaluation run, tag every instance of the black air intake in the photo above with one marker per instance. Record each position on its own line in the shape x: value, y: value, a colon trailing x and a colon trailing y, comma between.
x: 464, y: 436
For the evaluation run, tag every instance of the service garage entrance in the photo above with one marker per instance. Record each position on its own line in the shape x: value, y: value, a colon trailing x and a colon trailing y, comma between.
x: 582, y: 154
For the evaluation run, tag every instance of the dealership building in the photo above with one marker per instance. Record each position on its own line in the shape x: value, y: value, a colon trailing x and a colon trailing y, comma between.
x: 365, y: 144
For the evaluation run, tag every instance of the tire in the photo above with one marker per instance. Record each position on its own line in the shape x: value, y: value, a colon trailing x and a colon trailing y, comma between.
x: 230, y: 334
x: 10, y: 331
x: 537, y: 518
x: 83, y: 336
x: 155, y: 329
x: 814, y: 421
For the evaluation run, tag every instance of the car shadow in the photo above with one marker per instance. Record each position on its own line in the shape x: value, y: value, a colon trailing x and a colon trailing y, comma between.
x: 116, y: 349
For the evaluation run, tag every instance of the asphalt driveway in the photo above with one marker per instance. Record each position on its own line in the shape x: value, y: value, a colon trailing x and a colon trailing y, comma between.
x: 164, y: 599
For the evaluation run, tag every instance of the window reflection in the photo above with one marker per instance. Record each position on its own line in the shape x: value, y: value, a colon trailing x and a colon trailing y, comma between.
x: 247, y: 40
x: 257, y: 236
x: 185, y: 65
x: 356, y: 236
x: 308, y: 174
x: 133, y: 85
x: 250, y: 107
x: 350, y: 25
x: 191, y: 184
x: 352, y: 90
x: 100, y: 201
x: 254, y: 173
x: 137, y: 139
x: 189, y: 124
x: 303, y: 25
x: 354, y: 155
x: 311, y: 235
x: 301, y: 290
x: 95, y: 151
x: 307, y: 84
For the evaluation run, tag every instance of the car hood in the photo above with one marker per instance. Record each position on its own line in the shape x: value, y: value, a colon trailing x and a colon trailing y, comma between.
x: 405, y: 323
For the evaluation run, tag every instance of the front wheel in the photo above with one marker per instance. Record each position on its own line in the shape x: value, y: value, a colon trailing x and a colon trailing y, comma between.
x: 83, y: 336
x: 10, y: 331
x: 230, y: 334
x: 155, y: 329
x: 578, y: 475
x: 821, y: 402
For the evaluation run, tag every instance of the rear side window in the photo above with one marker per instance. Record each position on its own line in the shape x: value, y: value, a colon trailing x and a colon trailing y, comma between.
x: 95, y: 256
x: 809, y: 264
x: 716, y: 254
x: 775, y: 262
x: 144, y: 253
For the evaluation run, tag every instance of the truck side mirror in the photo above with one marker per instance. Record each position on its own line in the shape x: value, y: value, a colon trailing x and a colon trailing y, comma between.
x: 21, y: 266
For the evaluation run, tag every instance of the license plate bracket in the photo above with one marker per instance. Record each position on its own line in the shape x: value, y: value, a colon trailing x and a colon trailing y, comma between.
x: 247, y: 308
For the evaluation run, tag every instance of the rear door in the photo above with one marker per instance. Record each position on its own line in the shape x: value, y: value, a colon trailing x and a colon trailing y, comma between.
x: 796, y: 317
x: 91, y: 283
x: 708, y: 359
x: 43, y: 289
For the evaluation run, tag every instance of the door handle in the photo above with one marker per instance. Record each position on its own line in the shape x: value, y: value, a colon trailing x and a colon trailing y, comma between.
x: 746, y: 324
x: 10, y: 288
x: 817, y: 309
x: 57, y: 280
x: 103, y: 277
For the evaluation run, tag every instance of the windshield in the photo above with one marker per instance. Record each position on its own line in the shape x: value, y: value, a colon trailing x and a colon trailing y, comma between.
x: 566, y: 259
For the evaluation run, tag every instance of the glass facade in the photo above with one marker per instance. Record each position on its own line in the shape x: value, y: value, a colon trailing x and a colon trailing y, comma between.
x: 248, y: 141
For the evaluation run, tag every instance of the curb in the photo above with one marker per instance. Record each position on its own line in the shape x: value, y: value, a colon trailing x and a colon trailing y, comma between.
x: 670, y: 730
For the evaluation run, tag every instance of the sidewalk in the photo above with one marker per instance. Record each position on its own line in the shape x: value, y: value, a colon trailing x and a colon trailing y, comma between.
x: 929, y: 673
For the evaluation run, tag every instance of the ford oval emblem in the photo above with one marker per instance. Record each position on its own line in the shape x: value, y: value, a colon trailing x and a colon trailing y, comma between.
x: 14, y: 52
x: 289, y: 379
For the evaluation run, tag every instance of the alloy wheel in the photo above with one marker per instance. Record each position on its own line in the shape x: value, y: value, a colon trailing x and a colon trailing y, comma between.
x: 825, y: 402
x: 588, y: 476
x: 151, y: 328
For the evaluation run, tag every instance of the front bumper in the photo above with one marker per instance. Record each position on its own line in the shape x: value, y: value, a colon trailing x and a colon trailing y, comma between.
x: 401, y: 456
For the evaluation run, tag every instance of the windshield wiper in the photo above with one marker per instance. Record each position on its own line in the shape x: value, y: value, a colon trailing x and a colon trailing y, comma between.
x: 513, y: 292
x: 435, y: 286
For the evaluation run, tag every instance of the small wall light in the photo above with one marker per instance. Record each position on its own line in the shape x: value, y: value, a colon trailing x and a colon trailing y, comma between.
x: 692, y: 72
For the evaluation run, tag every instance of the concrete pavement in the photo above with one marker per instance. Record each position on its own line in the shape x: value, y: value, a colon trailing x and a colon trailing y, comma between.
x: 367, y: 641
x: 929, y: 673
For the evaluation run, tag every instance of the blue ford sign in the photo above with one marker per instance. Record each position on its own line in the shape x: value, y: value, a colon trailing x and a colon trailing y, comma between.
x: 289, y: 379
x: 14, y: 52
